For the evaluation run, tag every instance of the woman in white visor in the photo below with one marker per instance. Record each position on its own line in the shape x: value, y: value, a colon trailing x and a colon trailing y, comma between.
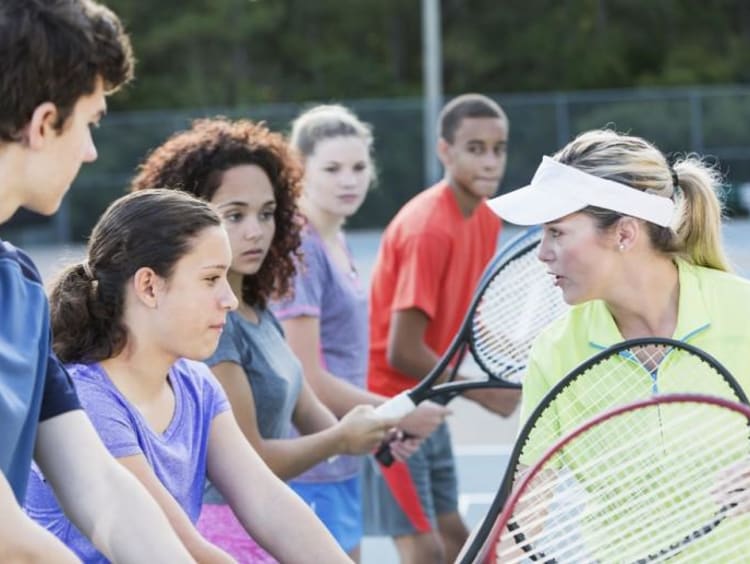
x: 634, y: 244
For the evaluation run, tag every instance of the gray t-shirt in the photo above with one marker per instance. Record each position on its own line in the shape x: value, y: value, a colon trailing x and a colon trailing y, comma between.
x: 272, y: 369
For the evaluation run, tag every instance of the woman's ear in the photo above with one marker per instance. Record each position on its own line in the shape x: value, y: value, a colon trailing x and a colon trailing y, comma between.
x: 627, y: 233
x: 147, y: 286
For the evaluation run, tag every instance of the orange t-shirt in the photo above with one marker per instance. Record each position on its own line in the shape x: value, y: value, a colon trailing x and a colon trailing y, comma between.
x: 431, y: 258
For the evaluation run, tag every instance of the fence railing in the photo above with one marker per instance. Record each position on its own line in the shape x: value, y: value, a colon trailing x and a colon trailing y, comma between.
x: 711, y: 121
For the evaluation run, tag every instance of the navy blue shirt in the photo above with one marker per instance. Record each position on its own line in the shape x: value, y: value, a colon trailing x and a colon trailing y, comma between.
x: 34, y: 386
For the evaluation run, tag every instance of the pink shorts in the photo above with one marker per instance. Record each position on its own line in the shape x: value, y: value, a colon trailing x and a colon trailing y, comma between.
x: 219, y: 526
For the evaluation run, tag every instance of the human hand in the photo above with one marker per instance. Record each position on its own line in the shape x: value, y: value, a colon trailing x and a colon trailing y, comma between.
x: 427, y: 416
x: 402, y: 445
x: 361, y: 430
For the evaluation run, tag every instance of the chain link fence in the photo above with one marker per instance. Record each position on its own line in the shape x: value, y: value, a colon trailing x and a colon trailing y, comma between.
x: 711, y: 121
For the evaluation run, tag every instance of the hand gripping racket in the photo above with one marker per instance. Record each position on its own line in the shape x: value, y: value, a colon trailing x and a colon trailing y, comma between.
x: 515, y: 299
x: 626, y: 372
x: 662, y: 479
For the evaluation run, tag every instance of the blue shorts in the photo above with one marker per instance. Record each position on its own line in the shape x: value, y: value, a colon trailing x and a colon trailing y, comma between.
x: 338, y: 505
x: 406, y: 498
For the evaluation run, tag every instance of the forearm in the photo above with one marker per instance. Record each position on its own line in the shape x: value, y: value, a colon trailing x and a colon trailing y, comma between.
x: 415, y: 361
x: 136, y: 530
x: 251, y: 489
x: 312, y: 542
x: 340, y: 396
x: 288, y: 458
x: 22, y: 540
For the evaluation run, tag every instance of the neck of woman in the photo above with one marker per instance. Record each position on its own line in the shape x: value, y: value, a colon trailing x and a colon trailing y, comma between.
x: 646, y: 301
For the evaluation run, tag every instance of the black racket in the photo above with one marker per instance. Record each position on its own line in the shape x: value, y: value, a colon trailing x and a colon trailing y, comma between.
x: 666, y: 478
x: 629, y: 371
x: 515, y: 299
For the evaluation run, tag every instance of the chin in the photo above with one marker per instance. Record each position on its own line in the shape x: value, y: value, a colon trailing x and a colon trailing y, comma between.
x: 486, y: 193
x: 44, y: 208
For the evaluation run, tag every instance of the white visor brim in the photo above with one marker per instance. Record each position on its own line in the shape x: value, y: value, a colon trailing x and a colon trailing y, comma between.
x: 558, y: 190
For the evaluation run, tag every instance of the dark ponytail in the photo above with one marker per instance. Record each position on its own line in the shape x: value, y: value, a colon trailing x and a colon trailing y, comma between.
x: 152, y: 228
x: 85, y: 326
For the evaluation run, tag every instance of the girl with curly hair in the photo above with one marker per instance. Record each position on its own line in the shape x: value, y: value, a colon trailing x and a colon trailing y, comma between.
x: 252, y: 178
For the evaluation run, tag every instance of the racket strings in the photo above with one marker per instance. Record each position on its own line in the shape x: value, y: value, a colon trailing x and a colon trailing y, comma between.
x: 639, y: 491
x: 617, y: 380
x: 598, y: 507
x: 515, y: 306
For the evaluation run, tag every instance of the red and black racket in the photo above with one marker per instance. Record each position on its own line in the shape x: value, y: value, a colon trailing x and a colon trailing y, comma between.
x: 626, y: 372
x: 662, y: 479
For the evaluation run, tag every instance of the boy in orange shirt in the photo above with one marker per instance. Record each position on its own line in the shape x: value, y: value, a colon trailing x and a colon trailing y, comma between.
x: 430, y: 260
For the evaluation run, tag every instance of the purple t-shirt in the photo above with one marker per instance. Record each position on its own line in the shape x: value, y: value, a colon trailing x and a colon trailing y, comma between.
x: 177, y: 456
x: 322, y: 289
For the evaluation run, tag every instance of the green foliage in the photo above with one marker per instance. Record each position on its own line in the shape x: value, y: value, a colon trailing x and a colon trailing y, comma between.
x: 197, y: 53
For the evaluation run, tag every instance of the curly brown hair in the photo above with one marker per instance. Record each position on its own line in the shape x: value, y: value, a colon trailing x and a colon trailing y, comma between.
x: 195, y: 160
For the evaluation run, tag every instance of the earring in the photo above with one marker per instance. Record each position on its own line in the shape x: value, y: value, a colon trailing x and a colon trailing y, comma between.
x: 622, y: 246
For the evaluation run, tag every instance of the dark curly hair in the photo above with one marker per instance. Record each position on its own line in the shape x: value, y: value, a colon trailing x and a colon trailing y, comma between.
x: 153, y: 228
x: 195, y: 161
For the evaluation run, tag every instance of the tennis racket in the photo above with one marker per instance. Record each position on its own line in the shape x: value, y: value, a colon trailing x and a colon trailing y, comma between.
x: 515, y: 299
x: 626, y: 372
x: 666, y: 478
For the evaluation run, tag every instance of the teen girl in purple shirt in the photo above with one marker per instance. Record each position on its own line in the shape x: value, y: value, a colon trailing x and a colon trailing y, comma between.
x: 151, y: 295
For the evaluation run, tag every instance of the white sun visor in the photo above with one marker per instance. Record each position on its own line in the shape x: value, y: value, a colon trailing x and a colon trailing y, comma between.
x: 558, y: 190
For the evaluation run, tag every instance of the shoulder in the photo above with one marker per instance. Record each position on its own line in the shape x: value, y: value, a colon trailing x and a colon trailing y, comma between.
x: 726, y: 295
x: 12, y: 258
x: 719, y: 282
x: 314, y: 256
x: 95, y: 392
x: 425, y: 213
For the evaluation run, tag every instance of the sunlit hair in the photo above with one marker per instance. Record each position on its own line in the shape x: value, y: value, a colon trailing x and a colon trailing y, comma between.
x: 467, y: 106
x: 695, y: 234
x: 329, y: 121
x: 154, y: 229
x: 196, y: 160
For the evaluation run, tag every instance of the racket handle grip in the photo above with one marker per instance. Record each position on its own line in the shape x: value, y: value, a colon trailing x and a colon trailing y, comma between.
x: 396, y: 407
x: 384, y: 454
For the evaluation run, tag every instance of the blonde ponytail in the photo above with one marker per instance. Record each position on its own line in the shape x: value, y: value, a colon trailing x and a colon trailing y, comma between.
x: 699, y: 225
